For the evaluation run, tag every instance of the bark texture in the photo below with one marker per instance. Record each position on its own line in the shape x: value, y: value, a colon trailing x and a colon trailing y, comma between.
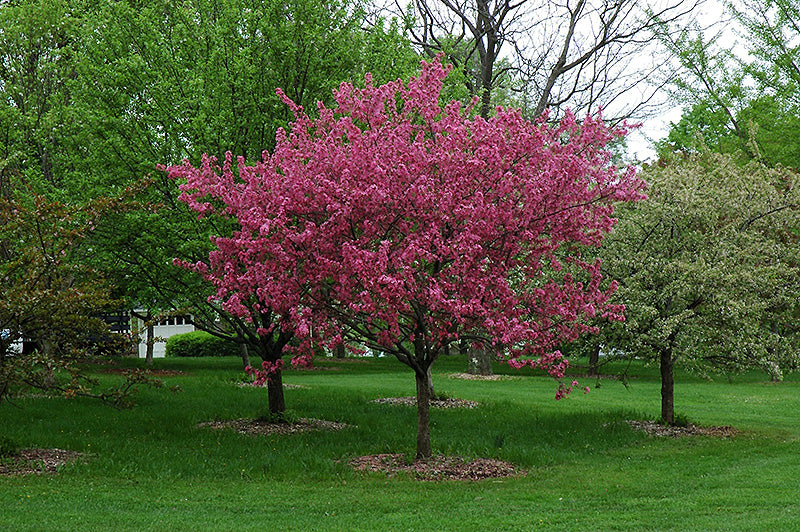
x: 424, y: 451
x: 277, y: 404
x: 667, y: 387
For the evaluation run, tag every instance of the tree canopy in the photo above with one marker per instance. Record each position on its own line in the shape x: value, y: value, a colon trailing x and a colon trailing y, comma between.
x: 416, y: 226
x: 740, y: 102
x: 96, y: 94
x: 708, y: 268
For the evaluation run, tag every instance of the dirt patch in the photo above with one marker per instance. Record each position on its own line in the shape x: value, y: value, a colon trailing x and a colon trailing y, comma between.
x: 257, y: 427
x: 436, y: 468
x: 656, y: 429
x: 435, y: 403
x: 37, y: 461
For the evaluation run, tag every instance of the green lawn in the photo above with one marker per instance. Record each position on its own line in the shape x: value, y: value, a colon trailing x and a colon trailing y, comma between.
x: 151, y: 468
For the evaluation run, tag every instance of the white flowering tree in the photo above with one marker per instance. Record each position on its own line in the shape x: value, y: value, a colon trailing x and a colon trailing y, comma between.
x: 709, y: 268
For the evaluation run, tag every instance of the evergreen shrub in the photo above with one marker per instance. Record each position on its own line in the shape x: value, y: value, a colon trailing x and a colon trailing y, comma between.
x: 200, y: 344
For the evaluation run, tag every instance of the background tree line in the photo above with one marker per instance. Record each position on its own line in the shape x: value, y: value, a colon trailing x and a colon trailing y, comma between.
x: 94, y: 95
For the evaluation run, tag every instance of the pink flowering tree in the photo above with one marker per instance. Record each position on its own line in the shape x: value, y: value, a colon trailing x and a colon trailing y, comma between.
x: 414, y: 225
x: 263, y: 304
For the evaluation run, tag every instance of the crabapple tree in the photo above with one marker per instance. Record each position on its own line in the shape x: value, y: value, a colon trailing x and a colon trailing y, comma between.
x: 415, y: 225
x: 708, y: 268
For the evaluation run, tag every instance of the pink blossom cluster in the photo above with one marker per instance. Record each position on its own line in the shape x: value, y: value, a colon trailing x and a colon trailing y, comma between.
x: 564, y: 389
x: 262, y: 375
x: 554, y: 363
x: 415, y: 225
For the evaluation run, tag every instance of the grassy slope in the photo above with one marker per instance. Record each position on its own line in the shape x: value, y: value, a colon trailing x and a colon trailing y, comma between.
x: 152, y: 469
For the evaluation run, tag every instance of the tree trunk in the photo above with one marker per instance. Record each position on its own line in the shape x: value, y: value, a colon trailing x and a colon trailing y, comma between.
x: 149, y: 340
x: 772, y: 366
x: 423, y: 415
x: 339, y: 351
x: 431, y: 389
x: 245, y: 354
x: 46, y: 348
x: 594, y: 360
x: 479, y: 361
x: 277, y: 404
x: 463, y: 347
x: 667, y: 387
x: 775, y: 372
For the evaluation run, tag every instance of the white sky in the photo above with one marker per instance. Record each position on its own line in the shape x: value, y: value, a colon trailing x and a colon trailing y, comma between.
x: 656, y: 128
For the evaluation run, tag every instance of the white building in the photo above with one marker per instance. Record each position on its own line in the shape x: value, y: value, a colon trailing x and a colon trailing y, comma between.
x: 16, y: 346
x: 162, y: 330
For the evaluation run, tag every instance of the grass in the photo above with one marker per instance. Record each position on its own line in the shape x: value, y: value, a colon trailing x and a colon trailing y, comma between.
x: 151, y: 468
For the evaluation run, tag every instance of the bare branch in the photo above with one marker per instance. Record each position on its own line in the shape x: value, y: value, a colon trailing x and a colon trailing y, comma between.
x: 579, y: 53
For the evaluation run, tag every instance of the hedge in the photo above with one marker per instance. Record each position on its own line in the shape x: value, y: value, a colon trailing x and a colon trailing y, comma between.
x: 200, y: 344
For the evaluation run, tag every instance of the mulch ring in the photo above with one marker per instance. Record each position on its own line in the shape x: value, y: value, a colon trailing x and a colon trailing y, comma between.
x: 149, y: 372
x: 257, y: 427
x: 435, y: 403
x: 37, y: 461
x: 245, y: 384
x: 656, y: 429
x: 436, y: 468
x: 471, y: 377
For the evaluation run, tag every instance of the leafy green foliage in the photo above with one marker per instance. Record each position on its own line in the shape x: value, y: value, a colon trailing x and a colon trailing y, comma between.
x: 200, y: 344
x: 36, y: 60
x: 50, y: 296
x: 47, y: 293
x: 95, y: 94
x: 736, y: 103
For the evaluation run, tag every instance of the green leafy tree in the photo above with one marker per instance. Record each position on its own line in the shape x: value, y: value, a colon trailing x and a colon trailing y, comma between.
x: 50, y: 296
x: 708, y: 268
x: 95, y: 94
x: 36, y: 61
x: 746, y: 103
x: 182, y: 87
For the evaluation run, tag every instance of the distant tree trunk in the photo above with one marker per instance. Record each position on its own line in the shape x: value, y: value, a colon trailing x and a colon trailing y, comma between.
x: 479, y: 361
x: 774, y: 370
x: 772, y: 365
x: 338, y: 352
x: 149, y: 335
x: 594, y: 360
x: 46, y: 348
x: 149, y: 340
x: 424, y: 451
x: 277, y: 404
x: 463, y: 347
x: 431, y: 389
x: 245, y: 354
x: 667, y: 387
